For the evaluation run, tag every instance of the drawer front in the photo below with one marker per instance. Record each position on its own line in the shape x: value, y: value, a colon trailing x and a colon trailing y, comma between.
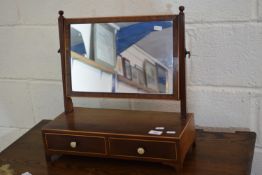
x: 142, y: 148
x: 76, y: 143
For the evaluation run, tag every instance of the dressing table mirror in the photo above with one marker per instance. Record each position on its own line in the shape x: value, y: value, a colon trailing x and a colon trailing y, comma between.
x: 141, y: 57
x: 122, y: 58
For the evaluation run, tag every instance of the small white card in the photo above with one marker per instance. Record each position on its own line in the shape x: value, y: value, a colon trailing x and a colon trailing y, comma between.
x: 171, y: 132
x: 159, y: 128
x: 154, y: 132
x: 158, y: 28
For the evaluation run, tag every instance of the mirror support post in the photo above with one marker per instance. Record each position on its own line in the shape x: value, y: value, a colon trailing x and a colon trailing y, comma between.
x: 182, y: 62
x: 68, y: 104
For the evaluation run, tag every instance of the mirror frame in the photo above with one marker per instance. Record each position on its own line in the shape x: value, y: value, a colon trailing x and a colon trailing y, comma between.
x: 64, y: 33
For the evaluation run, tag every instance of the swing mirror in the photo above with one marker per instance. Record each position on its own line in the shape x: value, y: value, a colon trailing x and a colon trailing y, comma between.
x: 122, y: 57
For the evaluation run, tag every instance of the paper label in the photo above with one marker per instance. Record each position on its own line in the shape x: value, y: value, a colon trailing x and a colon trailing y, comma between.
x: 158, y: 28
x: 171, y: 132
x: 154, y: 132
x: 159, y: 128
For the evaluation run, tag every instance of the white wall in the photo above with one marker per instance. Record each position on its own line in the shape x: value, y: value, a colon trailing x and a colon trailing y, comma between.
x: 86, y: 78
x: 224, y: 72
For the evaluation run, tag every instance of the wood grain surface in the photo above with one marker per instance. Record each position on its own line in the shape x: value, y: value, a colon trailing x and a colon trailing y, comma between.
x: 214, y: 154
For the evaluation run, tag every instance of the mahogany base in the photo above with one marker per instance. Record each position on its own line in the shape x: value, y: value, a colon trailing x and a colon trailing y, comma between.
x: 121, y: 134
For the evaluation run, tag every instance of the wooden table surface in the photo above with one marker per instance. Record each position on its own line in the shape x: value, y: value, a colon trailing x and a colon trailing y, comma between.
x: 214, y: 154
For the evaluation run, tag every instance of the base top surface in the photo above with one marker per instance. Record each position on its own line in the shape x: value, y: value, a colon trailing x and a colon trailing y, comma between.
x: 112, y: 121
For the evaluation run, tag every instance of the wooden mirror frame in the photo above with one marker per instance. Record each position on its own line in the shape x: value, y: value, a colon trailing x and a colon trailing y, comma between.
x: 179, y: 81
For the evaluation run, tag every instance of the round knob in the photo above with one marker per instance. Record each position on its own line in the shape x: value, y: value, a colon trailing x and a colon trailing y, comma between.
x: 181, y: 8
x: 61, y: 12
x: 73, y: 144
x: 140, y: 151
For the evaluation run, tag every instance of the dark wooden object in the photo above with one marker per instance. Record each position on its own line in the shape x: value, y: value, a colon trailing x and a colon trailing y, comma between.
x: 121, y: 134
x: 178, y: 51
x: 182, y: 61
x: 214, y: 154
x: 68, y: 104
x: 118, y: 133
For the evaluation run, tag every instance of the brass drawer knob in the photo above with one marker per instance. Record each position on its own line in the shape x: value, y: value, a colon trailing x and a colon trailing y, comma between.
x: 73, y: 144
x: 140, y: 151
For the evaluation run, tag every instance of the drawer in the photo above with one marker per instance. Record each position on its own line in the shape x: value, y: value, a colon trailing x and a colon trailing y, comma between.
x: 75, y: 143
x: 142, y: 148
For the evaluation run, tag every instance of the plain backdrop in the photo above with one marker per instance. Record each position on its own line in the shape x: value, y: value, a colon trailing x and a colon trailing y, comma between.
x: 224, y: 72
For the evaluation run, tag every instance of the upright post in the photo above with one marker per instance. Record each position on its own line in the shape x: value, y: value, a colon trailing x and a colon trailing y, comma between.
x: 182, y: 62
x: 68, y: 104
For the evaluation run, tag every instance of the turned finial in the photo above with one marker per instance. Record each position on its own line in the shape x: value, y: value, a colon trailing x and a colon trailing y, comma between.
x: 181, y: 9
x: 61, y: 12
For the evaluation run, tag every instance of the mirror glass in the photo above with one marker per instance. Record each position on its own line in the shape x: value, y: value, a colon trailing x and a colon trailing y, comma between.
x: 123, y: 57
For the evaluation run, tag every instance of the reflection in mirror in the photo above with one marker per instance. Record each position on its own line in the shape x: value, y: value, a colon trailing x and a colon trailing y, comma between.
x: 123, y: 57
